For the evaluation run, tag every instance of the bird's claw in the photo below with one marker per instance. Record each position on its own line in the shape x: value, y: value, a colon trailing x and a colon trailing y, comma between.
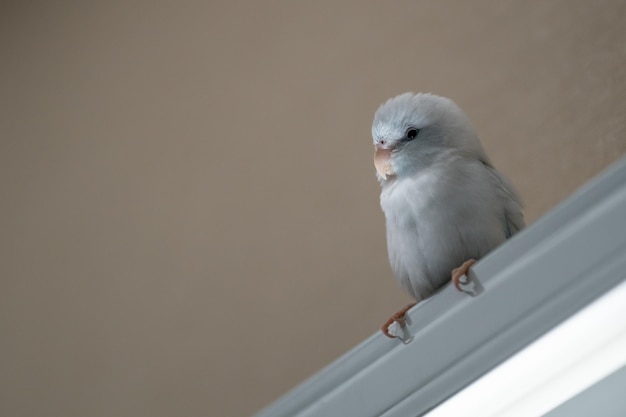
x: 385, y: 328
x: 459, y: 275
x: 399, y: 317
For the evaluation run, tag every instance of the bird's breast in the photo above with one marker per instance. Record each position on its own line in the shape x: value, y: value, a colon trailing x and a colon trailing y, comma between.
x: 404, y: 199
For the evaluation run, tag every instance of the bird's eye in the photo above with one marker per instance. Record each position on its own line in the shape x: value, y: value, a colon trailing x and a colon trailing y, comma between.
x: 412, y: 133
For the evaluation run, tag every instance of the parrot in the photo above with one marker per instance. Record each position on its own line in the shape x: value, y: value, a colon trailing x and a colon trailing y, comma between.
x: 444, y: 203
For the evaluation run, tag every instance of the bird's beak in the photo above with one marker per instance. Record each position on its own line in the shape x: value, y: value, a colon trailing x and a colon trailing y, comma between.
x: 382, y: 162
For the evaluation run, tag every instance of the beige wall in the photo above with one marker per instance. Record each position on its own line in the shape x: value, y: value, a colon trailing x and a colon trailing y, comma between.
x: 190, y: 221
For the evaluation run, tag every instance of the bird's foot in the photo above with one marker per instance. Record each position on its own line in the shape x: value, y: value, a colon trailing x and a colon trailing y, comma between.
x: 458, y: 273
x: 399, y: 316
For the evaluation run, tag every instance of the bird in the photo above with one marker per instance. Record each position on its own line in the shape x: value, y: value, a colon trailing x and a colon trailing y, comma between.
x: 444, y: 203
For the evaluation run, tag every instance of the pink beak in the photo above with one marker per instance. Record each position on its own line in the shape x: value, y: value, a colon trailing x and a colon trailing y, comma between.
x: 382, y: 161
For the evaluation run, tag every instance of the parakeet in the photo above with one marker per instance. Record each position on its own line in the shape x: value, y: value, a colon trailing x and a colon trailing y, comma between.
x: 444, y: 203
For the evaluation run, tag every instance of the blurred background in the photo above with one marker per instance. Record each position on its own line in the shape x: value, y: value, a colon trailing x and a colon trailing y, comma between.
x: 190, y: 218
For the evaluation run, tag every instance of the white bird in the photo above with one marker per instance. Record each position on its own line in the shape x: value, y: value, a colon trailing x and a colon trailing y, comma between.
x: 444, y: 203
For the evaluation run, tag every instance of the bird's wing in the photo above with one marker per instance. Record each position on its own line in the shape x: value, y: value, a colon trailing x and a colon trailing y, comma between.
x: 512, y: 203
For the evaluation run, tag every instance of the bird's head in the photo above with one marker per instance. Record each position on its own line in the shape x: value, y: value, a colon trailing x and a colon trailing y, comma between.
x: 413, y: 131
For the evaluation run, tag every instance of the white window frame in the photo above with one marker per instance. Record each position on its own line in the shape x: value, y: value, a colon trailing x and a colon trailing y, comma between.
x: 528, y: 286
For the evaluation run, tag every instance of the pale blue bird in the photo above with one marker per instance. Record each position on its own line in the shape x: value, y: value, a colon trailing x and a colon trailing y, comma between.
x: 444, y: 203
